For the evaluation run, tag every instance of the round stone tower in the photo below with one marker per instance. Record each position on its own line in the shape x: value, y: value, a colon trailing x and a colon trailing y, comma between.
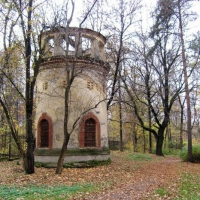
x: 87, y: 121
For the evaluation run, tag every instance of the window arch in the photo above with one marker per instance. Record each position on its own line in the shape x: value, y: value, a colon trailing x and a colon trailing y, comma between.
x: 89, y: 135
x: 44, y: 133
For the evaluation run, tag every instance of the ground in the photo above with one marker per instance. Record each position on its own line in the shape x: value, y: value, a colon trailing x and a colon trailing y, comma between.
x: 124, y: 178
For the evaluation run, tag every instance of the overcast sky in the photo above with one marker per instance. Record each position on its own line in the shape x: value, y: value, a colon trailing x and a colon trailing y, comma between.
x: 148, y: 6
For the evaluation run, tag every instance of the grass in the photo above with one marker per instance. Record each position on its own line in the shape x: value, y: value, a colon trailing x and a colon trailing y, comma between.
x: 41, y: 192
x: 161, y: 192
x: 187, y: 190
x: 139, y: 157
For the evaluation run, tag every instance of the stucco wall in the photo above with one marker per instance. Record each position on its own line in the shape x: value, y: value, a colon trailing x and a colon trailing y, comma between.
x: 51, y: 101
x: 87, y: 92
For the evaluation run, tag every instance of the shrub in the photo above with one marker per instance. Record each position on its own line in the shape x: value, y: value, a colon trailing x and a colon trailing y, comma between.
x: 171, y: 151
x: 168, y: 151
x: 139, y: 157
x: 195, y: 153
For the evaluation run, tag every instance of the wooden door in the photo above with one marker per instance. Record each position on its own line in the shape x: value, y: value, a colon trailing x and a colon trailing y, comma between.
x: 90, y: 133
x: 44, y: 133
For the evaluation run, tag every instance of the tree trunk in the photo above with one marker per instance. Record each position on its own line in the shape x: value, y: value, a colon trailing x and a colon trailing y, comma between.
x: 120, y: 119
x: 187, y: 91
x: 29, y: 163
x: 62, y: 155
x: 169, y: 137
x: 29, y: 95
x: 150, y: 136
x: 66, y: 120
x: 134, y: 138
x: 120, y: 129
x: 10, y: 146
x: 181, y: 120
x: 181, y: 130
x: 159, y: 144
x: 144, y: 147
x: 66, y: 133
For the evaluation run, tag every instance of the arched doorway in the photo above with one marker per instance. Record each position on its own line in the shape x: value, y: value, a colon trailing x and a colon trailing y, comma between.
x: 44, y: 133
x: 90, y: 133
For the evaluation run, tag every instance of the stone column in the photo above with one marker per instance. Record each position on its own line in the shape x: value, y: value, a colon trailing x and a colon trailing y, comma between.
x: 78, y: 44
x: 58, y: 45
x: 95, y: 49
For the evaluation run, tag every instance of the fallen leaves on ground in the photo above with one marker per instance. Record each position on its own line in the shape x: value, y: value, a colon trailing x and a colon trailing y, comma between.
x: 122, y: 179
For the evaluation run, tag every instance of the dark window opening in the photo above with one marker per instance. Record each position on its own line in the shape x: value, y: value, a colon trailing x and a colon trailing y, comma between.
x: 44, y: 133
x: 90, y: 133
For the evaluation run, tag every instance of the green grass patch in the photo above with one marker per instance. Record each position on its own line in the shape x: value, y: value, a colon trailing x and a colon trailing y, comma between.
x: 43, y: 192
x: 189, y: 187
x: 139, y: 157
x: 161, y: 192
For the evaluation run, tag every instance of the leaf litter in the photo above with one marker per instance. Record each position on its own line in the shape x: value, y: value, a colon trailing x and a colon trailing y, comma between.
x: 122, y: 179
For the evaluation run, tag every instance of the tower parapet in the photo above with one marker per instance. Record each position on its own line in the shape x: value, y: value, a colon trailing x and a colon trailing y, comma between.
x: 82, y: 42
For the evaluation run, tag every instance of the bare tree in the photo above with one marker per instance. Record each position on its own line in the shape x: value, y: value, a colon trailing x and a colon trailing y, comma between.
x: 71, y: 73
x: 11, y: 98
x: 119, y: 40
x: 17, y: 18
x: 157, y: 68
x: 119, y: 36
x: 180, y: 5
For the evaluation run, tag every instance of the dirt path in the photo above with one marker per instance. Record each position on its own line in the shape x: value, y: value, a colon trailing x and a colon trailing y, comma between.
x: 142, y: 183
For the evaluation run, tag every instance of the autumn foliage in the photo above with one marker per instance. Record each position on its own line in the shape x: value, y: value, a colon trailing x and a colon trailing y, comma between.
x: 129, y: 176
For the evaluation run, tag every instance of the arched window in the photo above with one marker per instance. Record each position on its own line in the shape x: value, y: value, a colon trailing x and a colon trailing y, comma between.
x: 90, y: 133
x: 44, y: 133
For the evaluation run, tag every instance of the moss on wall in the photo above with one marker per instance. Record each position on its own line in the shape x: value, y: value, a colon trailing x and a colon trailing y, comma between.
x: 86, y: 164
x: 72, y: 152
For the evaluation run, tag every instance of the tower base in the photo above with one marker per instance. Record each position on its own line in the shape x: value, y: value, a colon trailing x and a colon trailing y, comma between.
x: 73, y: 157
